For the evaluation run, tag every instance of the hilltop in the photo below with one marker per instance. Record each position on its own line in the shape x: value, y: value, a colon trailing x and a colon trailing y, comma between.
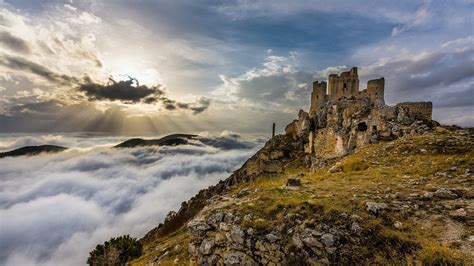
x: 170, y: 140
x: 351, y: 181
x: 405, y: 201
x: 32, y: 150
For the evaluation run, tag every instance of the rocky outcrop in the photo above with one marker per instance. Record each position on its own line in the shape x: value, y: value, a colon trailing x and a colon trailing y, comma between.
x: 226, y: 238
x: 340, y: 126
x: 312, y: 206
x: 344, y: 118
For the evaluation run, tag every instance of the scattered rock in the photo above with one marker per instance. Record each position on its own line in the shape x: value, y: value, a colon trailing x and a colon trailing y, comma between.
x: 272, y: 237
x: 244, y: 192
x: 375, y: 208
x: 198, y: 226
x: 206, y: 246
x: 328, y: 240
x: 293, y: 182
x: 459, y: 214
x: 237, y: 235
x: 355, y: 228
x: 312, y: 242
x: 235, y: 257
x: 398, y: 225
x: 444, y: 193
x: 336, y: 168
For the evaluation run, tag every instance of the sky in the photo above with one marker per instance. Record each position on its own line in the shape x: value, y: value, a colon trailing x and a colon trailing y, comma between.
x: 139, y: 67
x: 55, y: 208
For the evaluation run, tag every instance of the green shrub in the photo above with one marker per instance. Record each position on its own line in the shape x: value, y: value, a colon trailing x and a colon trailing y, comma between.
x: 116, y: 251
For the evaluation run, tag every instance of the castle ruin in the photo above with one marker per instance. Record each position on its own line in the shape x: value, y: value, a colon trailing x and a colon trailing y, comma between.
x: 346, y: 85
x: 341, y: 117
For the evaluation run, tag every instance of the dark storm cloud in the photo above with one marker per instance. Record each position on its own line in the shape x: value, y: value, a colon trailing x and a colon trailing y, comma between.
x: 130, y: 91
x: 125, y: 90
x: 197, y: 107
x: 14, y: 43
x: 19, y: 63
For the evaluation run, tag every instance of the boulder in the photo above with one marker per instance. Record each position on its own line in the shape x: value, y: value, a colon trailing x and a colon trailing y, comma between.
x: 206, y: 246
x: 234, y: 257
x: 293, y: 182
x: 444, y: 193
x: 375, y: 208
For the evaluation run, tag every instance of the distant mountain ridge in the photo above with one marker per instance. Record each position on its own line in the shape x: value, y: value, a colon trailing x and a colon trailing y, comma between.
x: 33, y: 150
x: 170, y: 140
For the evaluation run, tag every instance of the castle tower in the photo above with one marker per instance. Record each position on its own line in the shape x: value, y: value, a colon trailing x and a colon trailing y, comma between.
x: 375, y: 90
x: 346, y: 84
x: 318, y: 97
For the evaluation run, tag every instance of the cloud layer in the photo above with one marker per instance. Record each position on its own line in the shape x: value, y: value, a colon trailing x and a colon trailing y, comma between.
x: 56, y: 208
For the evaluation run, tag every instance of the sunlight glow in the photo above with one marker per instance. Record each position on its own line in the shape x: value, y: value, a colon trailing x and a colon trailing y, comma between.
x: 122, y: 68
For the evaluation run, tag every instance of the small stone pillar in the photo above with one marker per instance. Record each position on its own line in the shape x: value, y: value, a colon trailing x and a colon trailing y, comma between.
x: 273, y: 130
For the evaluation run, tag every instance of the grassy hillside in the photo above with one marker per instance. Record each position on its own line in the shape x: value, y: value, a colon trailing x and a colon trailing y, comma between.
x: 406, y: 201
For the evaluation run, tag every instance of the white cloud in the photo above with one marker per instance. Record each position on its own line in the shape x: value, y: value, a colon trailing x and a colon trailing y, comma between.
x: 56, y: 208
x: 60, y: 41
x: 276, y: 82
x: 468, y: 40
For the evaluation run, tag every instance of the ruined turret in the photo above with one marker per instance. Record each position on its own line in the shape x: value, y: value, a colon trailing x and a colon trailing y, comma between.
x: 344, y: 85
x: 342, y: 118
x: 375, y: 90
x: 318, y: 96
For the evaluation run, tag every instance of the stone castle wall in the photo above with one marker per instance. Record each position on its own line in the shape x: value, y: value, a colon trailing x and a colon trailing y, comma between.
x: 375, y: 90
x: 337, y: 125
x: 318, y: 96
x: 421, y: 110
x: 345, y: 84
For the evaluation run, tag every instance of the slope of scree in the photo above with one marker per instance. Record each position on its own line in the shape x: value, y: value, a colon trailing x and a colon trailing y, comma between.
x: 403, y: 201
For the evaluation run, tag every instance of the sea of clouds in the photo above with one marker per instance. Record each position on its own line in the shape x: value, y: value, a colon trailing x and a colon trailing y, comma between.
x: 54, y: 208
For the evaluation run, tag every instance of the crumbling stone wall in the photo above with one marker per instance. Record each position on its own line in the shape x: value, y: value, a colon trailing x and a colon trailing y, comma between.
x: 421, y: 110
x: 345, y: 84
x: 318, y: 96
x: 375, y: 90
x: 336, y: 125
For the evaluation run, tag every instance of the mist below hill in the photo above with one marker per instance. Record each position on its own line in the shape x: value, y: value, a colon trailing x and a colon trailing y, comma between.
x: 56, y: 207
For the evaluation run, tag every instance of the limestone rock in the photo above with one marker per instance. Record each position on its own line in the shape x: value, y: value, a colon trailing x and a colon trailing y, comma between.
x: 375, y: 208
x: 459, y: 214
x: 206, y: 246
x: 328, y: 240
x: 237, y: 235
x: 336, y: 168
x: 444, y: 193
x: 236, y: 258
x: 198, y: 226
x: 293, y: 182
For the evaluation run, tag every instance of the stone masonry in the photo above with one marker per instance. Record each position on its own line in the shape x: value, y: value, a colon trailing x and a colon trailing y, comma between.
x: 342, y: 118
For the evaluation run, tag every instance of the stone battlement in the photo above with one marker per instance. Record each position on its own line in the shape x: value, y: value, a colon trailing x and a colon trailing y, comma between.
x: 342, y: 118
x: 421, y: 110
x: 345, y: 85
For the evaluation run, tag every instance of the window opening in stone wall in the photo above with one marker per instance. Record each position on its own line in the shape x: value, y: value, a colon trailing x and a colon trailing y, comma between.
x: 362, y: 126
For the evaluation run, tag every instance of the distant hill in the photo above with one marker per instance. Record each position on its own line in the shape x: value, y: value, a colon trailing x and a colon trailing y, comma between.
x: 170, y: 140
x: 32, y: 150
